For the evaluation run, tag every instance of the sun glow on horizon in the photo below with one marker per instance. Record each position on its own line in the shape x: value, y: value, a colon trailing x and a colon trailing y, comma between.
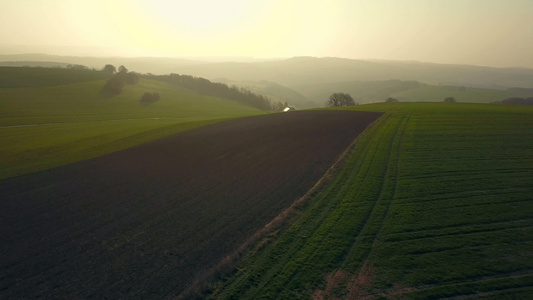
x: 448, y: 31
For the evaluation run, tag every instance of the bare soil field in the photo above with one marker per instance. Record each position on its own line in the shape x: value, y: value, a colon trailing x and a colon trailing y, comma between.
x: 143, y: 222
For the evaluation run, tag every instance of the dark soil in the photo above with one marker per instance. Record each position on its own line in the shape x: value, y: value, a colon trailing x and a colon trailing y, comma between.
x: 143, y: 222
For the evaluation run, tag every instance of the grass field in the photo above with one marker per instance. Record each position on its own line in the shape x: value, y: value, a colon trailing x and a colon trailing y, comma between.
x: 407, y: 91
x: 361, y: 91
x: 434, y: 93
x: 44, y: 124
x: 435, y: 201
x: 20, y: 77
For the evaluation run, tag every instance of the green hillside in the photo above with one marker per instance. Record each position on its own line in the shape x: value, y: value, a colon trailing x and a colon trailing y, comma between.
x: 434, y: 93
x: 365, y: 92
x: 46, y: 126
x: 299, y: 71
x: 434, y: 201
x: 362, y: 91
x: 17, y: 77
x: 275, y: 92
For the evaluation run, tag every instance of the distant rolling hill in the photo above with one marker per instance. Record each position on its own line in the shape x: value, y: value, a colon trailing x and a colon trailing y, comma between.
x: 307, y: 82
x: 310, y: 70
x: 361, y: 91
x: 21, y: 77
x: 434, y: 93
x: 374, y: 81
x: 305, y: 70
x: 275, y: 92
x: 139, y: 64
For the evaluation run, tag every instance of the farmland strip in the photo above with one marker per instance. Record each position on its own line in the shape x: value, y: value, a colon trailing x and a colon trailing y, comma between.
x: 145, y: 221
x: 333, y: 234
x: 368, y: 233
x: 461, y: 214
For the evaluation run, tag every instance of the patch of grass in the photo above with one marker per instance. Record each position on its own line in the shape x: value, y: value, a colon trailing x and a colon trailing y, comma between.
x: 83, y: 102
x: 434, y: 201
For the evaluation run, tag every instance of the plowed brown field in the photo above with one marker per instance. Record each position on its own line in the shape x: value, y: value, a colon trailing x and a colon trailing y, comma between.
x: 140, y: 223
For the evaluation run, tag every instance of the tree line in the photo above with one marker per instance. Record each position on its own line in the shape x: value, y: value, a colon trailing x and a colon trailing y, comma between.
x: 344, y: 99
x: 516, y: 101
x: 220, y: 90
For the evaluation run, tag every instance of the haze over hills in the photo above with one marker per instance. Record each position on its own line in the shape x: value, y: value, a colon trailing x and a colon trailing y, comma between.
x: 311, y: 70
x: 303, y: 70
x: 306, y: 82
x: 153, y: 65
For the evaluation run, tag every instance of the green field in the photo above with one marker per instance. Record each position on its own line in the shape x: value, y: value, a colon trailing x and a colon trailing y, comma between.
x: 17, y: 77
x: 44, y: 124
x: 435, y: 93
x: 434, y: 201
x: 407, y: 91
x: 362, y: 91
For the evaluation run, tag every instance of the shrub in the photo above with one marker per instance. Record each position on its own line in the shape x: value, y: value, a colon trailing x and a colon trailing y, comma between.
x: 518, y: 101
x: 150, y: 97
x: 114, y: 86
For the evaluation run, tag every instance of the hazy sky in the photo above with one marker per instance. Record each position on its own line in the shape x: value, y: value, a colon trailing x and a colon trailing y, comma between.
x: 481, y: 32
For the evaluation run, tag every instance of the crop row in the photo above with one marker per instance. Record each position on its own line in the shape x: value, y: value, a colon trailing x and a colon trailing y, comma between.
x: 431, y: 203
x: 320, y: 239
x: 464, y: 208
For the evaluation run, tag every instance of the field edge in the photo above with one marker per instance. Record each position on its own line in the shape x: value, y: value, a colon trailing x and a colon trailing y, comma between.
x: 204, y: 285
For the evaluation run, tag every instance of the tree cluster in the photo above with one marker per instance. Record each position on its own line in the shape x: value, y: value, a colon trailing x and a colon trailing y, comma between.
x: 77, y: 67
x: 206, y: 87
x: 391, y: 100
x: 340, y: 99
x: 150, y: 97
x: 115, y: 84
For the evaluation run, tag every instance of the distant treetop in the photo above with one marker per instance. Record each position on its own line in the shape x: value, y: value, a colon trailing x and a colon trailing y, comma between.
x: 340, y: 99
x: 109, y: 69
x: 122, y: 69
